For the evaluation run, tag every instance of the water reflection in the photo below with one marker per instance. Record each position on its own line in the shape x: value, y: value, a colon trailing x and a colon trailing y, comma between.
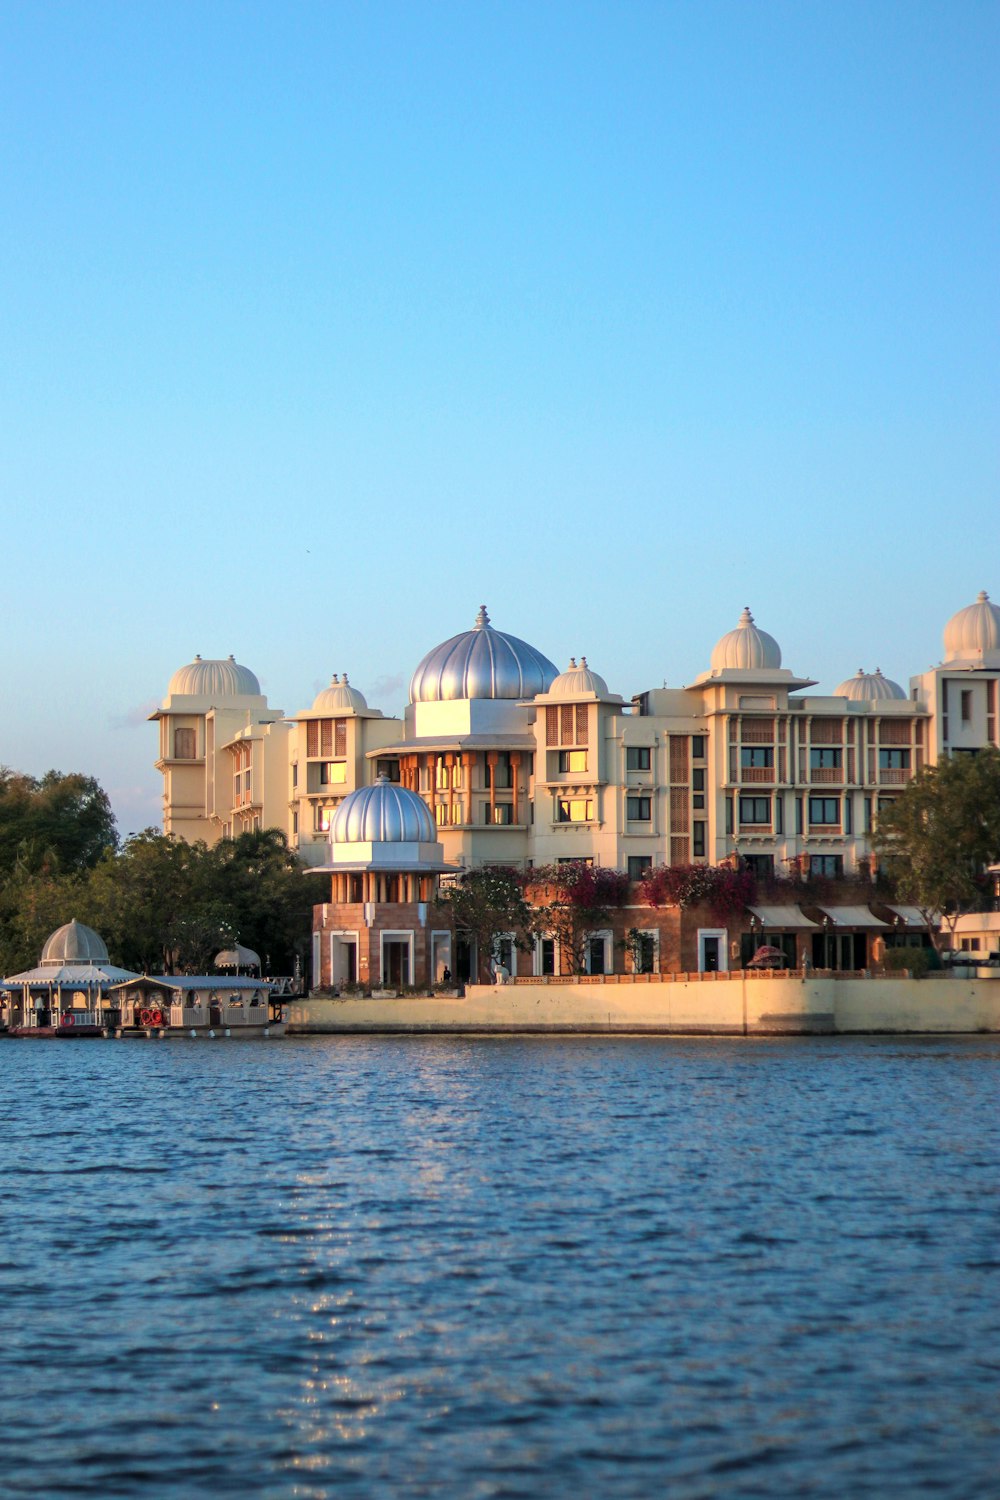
x: 597, y: 1267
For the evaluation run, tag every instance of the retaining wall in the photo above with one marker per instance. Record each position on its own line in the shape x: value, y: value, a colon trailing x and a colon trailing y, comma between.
x: 718, y: 1005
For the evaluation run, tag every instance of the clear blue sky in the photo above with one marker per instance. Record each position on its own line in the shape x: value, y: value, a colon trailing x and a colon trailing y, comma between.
x: 324, y: 323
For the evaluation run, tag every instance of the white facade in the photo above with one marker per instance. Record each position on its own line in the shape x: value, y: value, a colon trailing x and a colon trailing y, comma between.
x: 536, y: 766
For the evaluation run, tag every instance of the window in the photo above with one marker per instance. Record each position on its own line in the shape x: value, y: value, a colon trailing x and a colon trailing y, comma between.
x: 446, y: 816
x: 757, y: 755
x: 831, y: 866
x: 571, y: 760
x: 295, y: 775
x: 638, y: 809
x: 824, y: 810
x: 755, y: 809
x: 546, y: 955
x: 638, y: 864
x: 698, y: 840
x: 798, y: 815
x: 825, y: 760
x: 966, y: 705
x: 637, y: 758
x: 729, y: 814
x: 643, y: 952
x: 295, y: 823
x: 597, y: 954
x: 894, y: 760
x: 868, y: 815
x: 697, y: 747
x: 333, y: 773
x: 502, y: 813
x: 184, y: 744
x: 761, y: 865
x: 848, y: 814
x: 779, y: 814
x: 698, y: 781
x: 324, y: 816
x: 388, y: 769
x: 574, y: 810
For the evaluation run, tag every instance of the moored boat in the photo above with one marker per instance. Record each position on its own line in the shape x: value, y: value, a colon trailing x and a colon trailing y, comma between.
x: 194, y: 1005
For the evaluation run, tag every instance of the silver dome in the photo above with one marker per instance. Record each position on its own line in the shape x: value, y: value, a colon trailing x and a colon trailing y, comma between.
x: 214, y: 678
x: 383, y: 814
x: 481, y: 663
x: 73, y: 944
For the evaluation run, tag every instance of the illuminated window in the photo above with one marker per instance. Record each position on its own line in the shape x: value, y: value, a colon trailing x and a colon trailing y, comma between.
x: 572, y: 760
x: 574, y: 810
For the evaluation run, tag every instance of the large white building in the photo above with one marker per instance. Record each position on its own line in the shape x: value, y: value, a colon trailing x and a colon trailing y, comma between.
x: 521, y: 763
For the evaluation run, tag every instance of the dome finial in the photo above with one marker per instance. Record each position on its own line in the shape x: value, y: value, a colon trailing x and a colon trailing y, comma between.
x: 572, y: 664
x: 982, y: 597
x: 746, y: 618
x: 482, y: 619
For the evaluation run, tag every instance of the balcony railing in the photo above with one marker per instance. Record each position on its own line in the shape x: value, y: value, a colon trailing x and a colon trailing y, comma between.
x: 828, y: 775
x: 894, y: 777
x: 756, y: 774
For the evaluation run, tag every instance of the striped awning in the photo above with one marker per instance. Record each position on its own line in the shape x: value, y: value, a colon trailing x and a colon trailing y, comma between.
x: 852, y: 916
x: 910, y: 915
x: 781, y: 918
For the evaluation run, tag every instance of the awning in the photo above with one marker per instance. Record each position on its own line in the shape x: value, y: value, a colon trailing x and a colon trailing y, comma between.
x: 781, y: 918
x: 910, y: 916
x: 852, y: 916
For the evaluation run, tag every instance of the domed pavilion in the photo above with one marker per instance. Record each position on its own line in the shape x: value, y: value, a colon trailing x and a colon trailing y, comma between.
x: 62, y: 995
x: 385, y: 864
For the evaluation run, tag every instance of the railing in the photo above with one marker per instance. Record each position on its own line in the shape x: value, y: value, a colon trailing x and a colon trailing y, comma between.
x: 830, y: 775
x: 756, y: 773
x: 894, y: 777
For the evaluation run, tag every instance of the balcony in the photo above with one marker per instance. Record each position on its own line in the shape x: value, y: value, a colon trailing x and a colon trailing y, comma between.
x: 759, y: 774
x: 895, y: 777
x: 827, y: 775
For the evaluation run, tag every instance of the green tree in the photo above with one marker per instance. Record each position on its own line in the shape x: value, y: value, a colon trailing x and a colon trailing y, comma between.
x: 487, y: 901
x: 55, y: 824
x: 938, y: 835
x: 267, y: 898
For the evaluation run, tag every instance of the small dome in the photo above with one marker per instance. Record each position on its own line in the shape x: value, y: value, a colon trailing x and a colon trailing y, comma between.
x: 746, y: 649
x: 340, y: 698
x: 214, y: 678
x: 383, y: 814
x: 974, y: 631
x: 481, y: 663
x: 237, y: 957
x: 578, y: 682
x: 869, y: 685
x: 73, y: 944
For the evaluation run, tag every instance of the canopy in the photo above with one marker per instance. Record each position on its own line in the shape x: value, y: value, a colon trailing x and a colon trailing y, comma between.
x: 852, y: 916
x: 781, y: 918
x: 910, y: 915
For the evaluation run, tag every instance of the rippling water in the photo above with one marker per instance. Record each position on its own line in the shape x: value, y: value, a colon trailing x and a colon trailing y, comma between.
x: 501, y: 1267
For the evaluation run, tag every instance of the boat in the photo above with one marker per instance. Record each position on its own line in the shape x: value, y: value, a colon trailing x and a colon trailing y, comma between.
x: 210, y: 1005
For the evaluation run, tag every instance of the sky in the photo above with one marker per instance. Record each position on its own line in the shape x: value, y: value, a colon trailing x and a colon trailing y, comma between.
x: 323, y: 324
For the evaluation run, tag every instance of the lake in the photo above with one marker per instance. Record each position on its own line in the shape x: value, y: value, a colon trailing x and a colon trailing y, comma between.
x: 501, y: 1267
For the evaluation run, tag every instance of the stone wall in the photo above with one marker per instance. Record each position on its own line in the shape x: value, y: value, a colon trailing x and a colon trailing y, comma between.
x: 720, y: 1005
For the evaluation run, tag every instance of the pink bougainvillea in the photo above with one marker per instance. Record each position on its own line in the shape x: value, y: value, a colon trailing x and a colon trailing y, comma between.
x: 728, y: 892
